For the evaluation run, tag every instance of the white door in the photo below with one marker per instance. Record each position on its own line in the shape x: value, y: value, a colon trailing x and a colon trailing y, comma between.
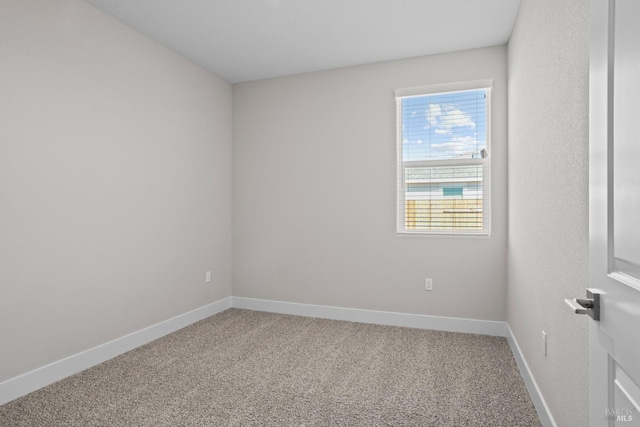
x: 615, y: 212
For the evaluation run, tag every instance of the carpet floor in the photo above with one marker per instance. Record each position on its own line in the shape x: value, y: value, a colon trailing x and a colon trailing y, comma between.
x: 247, y: 368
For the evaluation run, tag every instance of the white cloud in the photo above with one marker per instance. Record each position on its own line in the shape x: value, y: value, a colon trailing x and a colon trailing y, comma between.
x: 457, y: 146
x: 433, y: 114
x: 412, y: 141
x: 446, y: 117
x: 454, y: 117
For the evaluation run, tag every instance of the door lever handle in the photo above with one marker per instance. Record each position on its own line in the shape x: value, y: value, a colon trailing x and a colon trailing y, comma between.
x: 575, y: 306
x: 589, y: 305
x: 585, y: 302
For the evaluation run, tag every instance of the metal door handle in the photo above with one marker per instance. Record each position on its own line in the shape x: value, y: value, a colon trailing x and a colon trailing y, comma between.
x: 589, y: 305
x: 585, y: 302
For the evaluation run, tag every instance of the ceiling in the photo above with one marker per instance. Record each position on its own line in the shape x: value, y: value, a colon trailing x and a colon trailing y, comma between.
x: 244, y: 40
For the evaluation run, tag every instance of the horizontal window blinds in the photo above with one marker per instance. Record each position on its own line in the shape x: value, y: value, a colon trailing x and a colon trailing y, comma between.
x: 443, y: 162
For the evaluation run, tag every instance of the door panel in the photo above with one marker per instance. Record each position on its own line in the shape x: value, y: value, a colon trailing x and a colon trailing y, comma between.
x: 626, y: 136
x: 626, y: 395
x: 614, y: 211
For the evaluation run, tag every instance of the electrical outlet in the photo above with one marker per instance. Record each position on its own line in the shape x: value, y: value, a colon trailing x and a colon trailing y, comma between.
x: 544, y: 343
x: 208, y: 277
x: 428, y: 284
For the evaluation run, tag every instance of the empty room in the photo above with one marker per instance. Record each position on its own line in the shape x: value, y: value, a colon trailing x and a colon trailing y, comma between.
x: 319, y: 213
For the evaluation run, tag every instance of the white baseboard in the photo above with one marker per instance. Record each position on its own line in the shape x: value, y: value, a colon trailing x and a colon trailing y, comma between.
x: 26, y: 383
x: 536, y: 396
x: 421, y: 321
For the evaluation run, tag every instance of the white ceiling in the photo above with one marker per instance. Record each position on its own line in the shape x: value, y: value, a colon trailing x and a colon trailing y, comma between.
x: 244, y: 40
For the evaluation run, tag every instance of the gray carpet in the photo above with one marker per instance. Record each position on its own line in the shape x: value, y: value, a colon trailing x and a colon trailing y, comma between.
x: 246, y: 368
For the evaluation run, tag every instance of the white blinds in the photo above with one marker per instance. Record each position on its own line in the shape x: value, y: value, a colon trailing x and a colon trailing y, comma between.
x: 443, y: 162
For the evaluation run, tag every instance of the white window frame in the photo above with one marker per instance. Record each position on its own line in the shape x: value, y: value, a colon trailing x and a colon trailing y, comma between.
x: 401, y: 199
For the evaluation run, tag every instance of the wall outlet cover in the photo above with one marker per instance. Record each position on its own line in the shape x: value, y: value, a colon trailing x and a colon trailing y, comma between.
x: 428, y: 284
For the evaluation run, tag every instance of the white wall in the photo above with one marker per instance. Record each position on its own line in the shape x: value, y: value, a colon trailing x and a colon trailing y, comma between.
x: 548, y: 198
x: 314, y: 194
x: 115, y: 181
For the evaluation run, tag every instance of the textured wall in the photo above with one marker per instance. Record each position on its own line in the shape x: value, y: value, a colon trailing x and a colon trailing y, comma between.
x: 548, y: 198
x: 115, y: 181
x: 314, y: 194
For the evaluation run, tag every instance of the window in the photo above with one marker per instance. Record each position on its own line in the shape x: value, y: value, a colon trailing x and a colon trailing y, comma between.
x: 443, y: 159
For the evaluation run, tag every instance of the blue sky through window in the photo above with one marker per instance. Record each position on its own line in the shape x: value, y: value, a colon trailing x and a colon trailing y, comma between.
x: 444, y: 126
